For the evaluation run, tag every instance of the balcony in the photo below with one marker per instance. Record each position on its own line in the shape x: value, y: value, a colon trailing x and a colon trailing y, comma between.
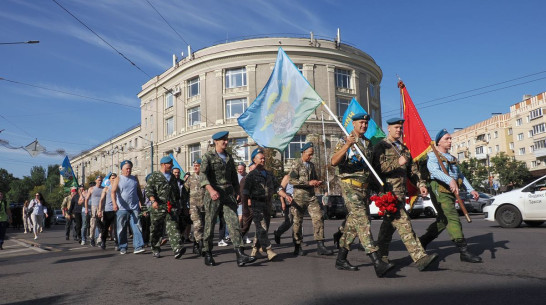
x: 481, y: 156
x: 540, y: 152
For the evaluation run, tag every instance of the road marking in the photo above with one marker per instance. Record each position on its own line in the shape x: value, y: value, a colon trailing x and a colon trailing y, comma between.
x: 31, y: 246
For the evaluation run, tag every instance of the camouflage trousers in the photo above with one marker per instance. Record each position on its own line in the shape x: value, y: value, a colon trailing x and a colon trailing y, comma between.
x: 357, y: 223
x: 160, y: 218
x: 228, y: 205
x: 447, y: 216
x: 261, y: 219
x: 304, y: 201
x: 399, y: 221
x: 197, y: 214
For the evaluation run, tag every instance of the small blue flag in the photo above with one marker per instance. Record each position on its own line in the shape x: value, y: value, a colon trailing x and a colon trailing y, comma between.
x: 67, y: 173
x: 176, y: 165
x: 374, y: 133
x: 106, y: 180
x: 282, y: 106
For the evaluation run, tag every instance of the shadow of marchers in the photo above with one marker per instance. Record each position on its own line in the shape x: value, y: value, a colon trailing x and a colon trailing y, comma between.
x: 79, y: 259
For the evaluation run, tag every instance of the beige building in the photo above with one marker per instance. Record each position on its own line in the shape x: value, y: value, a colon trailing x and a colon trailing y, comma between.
x: 207, y: 90
x: 521, y: 133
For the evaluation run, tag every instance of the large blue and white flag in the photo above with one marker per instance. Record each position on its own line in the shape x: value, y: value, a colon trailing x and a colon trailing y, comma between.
x: 374, y: 133
x: 67, y: 173
x: 282, y: 106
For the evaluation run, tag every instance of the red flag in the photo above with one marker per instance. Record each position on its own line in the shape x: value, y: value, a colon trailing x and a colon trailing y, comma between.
x: 415, y: 135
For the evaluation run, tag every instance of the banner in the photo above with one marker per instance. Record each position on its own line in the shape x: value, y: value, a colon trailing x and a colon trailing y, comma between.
x: 373, y: 133
x: 67, y: 174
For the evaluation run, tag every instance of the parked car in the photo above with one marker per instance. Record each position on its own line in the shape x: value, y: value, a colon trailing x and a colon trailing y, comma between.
x: 416, y: 211
x: 336, y: 207
x: 466, y: 198
x: 276, y: 207
x: 429, y: 210
x: 527, y: 204
x: 58, y: 218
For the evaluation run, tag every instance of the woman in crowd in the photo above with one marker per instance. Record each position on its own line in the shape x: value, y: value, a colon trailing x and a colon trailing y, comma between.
x: 27, y: 223
x: 38, y: 212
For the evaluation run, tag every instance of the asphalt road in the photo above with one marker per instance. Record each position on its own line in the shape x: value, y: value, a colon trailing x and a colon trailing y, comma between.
x: 56, y: 271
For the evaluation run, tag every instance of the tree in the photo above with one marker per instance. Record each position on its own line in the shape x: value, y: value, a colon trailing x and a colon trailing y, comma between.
x: 476, y: 173
x: 510, y: 171
x: 37, y: 175
x: 93, y: 176
x: 5, y: 179
x: 19, y: 190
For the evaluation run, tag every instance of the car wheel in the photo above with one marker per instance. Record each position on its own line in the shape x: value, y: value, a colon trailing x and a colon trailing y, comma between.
x: 508, y: 216
x: 414, y: 214
x: 429, y: 212
x: 533, y: 223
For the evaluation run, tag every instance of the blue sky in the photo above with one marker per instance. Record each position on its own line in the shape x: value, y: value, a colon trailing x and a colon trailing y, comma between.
x: 438, y: 48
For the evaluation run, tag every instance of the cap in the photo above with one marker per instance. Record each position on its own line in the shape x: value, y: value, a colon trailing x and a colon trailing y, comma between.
x: 166, y: 159
x: 394, y: 121
x: 220, y: 135
x: 440, y: 134
x: 125, y: 162
x: 198, y: 161
x: 256, y: 152
x: 361, y: 116
x: 306, y: 146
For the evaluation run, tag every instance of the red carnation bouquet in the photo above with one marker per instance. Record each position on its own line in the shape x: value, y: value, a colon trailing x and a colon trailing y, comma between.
x: 386, y: 203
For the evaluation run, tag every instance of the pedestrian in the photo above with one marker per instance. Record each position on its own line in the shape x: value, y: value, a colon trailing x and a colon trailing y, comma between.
x: 5, y: 219
x: 163, y: 191
x: 247, y: 211
x: 85, y: 215
x: 241, y: 173
x: 39, y: 211
x: 127, y: 200
x: 145, y: 222
x: 197, y: 210
x: 303, y: 177
x: 65, y: 206
x: 92, y: 202
x: 285, y: 206
x: 354, y: 174
x: 444, y: 187
x: 393, y: 161
x: 219, y: 178
x: 260, y: 185
x: 27, y: 222
x: 75, y: 212
x: 106, y: 212
x: 184, y: 220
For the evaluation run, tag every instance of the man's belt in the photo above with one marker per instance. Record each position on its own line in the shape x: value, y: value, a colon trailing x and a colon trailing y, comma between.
x: 223, y: 186
x: 355, y: 183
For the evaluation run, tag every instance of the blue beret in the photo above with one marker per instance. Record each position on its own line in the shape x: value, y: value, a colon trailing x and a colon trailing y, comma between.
x: 361, y: 116
x: 166, y: 159
x: 255, y: 152
x: 148, y: 177
x: 306, y: 146
x: 395, y: 121
x: 219, y: 135
x: 440, y: 134
x: 198, y: 161
x: 125, y: 162
x: 251, y: 163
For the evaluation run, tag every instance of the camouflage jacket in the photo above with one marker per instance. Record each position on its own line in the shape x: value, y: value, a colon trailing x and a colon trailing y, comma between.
x: 385, y: 162
x: 66, y: 203
x: 300, y: 175
x: 217, y: 173
x: 259, y: 187
x: 352, y: 166
x: 162, y: 190
x: 193, y: 187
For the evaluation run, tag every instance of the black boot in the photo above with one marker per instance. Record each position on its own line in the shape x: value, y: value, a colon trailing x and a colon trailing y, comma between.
x: 242, y: 258
x: 298, y: 251
x: 277, y: 237
x: 465, y: 255
x: 209, y: 261
x: 201, y: 252
x: 321, y: 249
x: 337, y: 237
x: 195, y: 249
x: 342, y: 263
x: 103, y: 245
x: 426, y: 239
x: 379, y: 265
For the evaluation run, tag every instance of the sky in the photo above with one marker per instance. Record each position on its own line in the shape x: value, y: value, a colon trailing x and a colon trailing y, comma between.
x: 72, y: 91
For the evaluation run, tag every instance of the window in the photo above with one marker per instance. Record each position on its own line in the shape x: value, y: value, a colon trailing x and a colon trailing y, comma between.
x: 460, y: 155
x: 534, y: 164
x: 169, y: 126
x: 518, y: 122
x: 145, y: 122
x: 300, y: 67
x: 511, y: 145
x: 489, y: 150
x: 194, y: 116
x: 136, y: 161
x: 136, y: 142
x: 480, y: 137
x: 239, y: 148
x: 152, y: 121
x: 496, y: 134
x: 342, y: 105
x: 488, y: 137
x: 509, y: 131
x: 193, y: 87
x: 343, y: 78
x: 169, y: 100
x: 529, y: 133
x: 540, y: 128
x: 520, y: 136
x: 531, y: 148
x: 371, y: 87
x: 497, y: 148
x: 151, y: 136
x: 522, y: 151
x: 540, y: 144
x: 479, y: 150
x: 235, y: 107
x: 195, y: 152
x: 293, y: 149
x: 537, y: 113
x: 236, y: 78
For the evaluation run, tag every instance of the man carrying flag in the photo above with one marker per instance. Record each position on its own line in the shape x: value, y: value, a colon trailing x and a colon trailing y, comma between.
x: 373, y: 133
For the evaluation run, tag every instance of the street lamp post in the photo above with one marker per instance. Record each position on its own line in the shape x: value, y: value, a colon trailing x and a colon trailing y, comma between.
x: 151, y: 153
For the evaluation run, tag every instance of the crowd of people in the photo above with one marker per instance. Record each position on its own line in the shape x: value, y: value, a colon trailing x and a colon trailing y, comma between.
x: 220, y: 191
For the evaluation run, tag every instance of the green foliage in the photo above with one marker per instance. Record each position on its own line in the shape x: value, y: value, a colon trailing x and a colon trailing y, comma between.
x: 92, y: 177
x: 5, y: 179
x: 476, y: 172
x: 272, y: 163
x: 510, y: 171
x: 37, y: 175
x: 19, y: 190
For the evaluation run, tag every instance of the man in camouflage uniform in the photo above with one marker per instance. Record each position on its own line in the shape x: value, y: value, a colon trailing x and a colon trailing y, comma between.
x: 260, y: 185
x: 443, y: 190
x: 197, y: 210
x: 304, y: 179
x: 162, y: 190
x: 354, y: 173
x: 219, y: 178
x: 393, y: 161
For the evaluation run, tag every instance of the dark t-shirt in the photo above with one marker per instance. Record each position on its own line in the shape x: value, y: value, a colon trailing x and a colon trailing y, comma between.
x: 74, y: 206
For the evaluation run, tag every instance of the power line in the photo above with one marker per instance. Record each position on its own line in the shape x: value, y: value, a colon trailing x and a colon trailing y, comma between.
x: 168, y: 23
x: 85, y: 25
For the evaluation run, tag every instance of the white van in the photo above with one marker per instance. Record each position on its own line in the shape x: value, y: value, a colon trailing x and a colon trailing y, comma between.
x: 527, y: 204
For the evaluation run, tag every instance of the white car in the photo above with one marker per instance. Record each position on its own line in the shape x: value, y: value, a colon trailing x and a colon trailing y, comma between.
x: 527, y: 204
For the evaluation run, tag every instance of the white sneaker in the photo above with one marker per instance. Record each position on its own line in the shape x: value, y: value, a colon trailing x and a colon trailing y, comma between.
x: 139, y: 250
x: 36, y: 237
x: 247, y: 240
x: 222, y: 243
x: 82, y: 243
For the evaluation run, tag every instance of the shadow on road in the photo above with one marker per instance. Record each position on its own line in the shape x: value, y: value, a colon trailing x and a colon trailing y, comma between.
x: 86, y: 258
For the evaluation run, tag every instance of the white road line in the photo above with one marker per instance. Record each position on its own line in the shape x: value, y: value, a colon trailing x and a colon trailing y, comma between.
x: 39, y: 250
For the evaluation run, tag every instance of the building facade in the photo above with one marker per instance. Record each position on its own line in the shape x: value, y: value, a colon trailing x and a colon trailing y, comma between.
x: 206, y: 91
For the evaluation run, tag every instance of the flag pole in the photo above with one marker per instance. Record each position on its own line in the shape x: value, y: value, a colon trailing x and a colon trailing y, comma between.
x: 325, y: 153
x: 356, y: 146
